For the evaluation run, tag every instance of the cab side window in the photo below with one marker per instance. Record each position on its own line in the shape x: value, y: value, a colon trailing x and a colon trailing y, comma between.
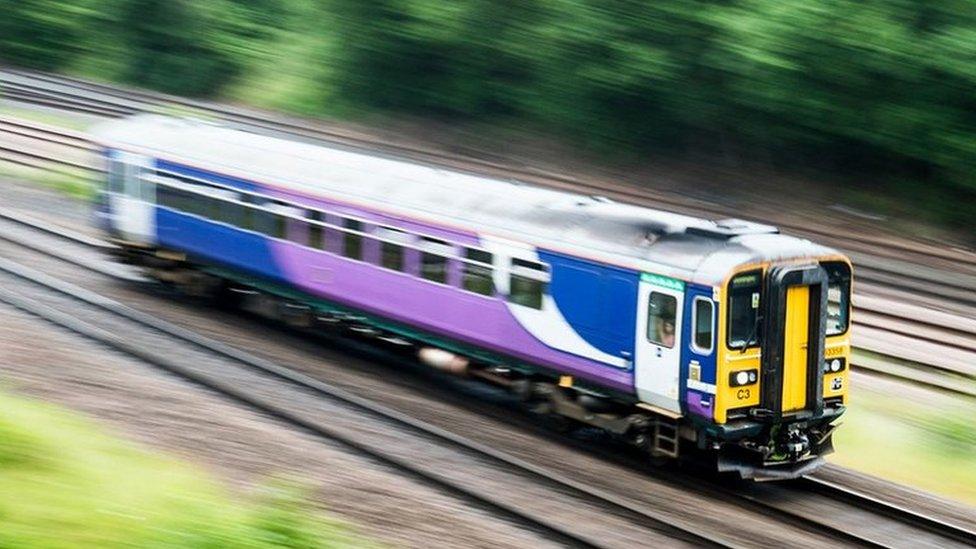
x: 838, y: 297
x: 661, y: 314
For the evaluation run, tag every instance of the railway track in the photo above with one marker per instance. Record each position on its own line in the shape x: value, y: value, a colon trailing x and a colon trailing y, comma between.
x: 113, y: 101
x: 765, y: 501
x: 570, y: 512
x: 950, y: 340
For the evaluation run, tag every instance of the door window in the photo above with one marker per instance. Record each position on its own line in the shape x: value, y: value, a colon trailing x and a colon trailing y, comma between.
x: 661, y: 313
x: 702, y: 315
x: 116, y: 177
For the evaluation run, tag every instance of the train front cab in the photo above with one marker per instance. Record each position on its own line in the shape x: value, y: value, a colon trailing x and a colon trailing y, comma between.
x: 782, y: 368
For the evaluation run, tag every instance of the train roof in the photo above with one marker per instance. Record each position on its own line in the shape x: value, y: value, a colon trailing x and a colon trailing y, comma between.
x: 683, y: 246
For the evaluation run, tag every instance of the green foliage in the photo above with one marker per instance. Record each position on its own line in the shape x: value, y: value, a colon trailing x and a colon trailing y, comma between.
x: 925, y: 441
x: 41, y: 33
x: 878, y: 88
x: 953, y: 431
x: 65, y: 484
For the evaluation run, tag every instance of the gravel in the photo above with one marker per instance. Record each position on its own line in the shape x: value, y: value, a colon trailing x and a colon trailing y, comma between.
x: 243, y: 448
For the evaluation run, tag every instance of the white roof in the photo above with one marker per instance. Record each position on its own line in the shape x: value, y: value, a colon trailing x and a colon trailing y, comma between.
x: 638, y: 237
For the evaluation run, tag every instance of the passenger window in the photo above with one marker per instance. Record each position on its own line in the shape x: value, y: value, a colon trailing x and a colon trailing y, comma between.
x: 202, y: 205
x: 433, y: 260
x: 477, y: 272
x: 702, y: 319
x: 230, y: 212
x: 316, y: 233
x: 264, y: 220
x: 527, y: 283
x: 249, y: 213
x: 661, y: 315
x: 352, y: 245
x: 167, y: 197
x: 391, y: 253
x: 279, y: 227
x: 212, y: 211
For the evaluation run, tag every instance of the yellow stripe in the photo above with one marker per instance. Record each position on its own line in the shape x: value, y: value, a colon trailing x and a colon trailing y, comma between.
x: 795, y: 353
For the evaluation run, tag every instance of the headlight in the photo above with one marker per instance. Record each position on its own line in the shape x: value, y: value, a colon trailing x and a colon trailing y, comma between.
x: 743, y: 377
x: 834, y: 365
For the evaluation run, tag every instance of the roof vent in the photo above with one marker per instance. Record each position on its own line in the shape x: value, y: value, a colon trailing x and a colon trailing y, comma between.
x: 729, y: 228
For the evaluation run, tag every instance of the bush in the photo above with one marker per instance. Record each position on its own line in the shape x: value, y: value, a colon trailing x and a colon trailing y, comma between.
x: 65, y: 484
x: 876, y: 88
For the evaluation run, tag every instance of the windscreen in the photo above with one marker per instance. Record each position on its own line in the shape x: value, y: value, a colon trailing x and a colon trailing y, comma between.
x: 744, y: 293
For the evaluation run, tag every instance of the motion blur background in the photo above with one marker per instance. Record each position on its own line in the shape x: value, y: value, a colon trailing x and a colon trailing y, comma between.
x: 851, y: 118
x: 877, y: 93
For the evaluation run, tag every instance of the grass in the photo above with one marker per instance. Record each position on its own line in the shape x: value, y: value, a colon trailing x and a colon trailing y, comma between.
x: 64, y: 483
x: 72, y: 182
x: 932, y: 448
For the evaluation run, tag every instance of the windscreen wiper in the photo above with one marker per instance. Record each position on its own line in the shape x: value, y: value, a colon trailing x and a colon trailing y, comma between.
x: 752, y: 335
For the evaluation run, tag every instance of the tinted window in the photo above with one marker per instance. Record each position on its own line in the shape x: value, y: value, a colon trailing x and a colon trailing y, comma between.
x: 279, y: 226
x: 477, y: 276
x: 433, y: 265
x: 230, y: 212
x: 702, y: 319
x: 744, y: 294
x: 171, y: 197
x: 392, y: 256
x: 316, y: 233
x: 662, y: 310
x: 391, y: 253
x: 352, y: 243
x: 248, y: 214
x: 838, y: 297
x: 527, y: 283
x: 264, y: 221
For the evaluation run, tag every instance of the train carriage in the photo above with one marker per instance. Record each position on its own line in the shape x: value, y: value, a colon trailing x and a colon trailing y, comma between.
x: 683, y: 335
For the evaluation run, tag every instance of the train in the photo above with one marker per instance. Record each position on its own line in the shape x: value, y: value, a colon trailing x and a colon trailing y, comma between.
x: 717, y: 340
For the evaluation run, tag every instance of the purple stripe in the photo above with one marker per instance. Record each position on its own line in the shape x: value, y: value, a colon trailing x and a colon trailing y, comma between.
x: 697, y: 406
x: 444, y: 310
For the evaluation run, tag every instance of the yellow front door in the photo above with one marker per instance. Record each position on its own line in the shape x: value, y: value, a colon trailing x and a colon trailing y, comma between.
x: 795, y: 351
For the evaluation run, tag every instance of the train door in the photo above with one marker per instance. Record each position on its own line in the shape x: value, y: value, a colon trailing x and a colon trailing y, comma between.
x: 797, y: 335
x: 132, y: 197
x: 793, y: 339
x: 657, y: 361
